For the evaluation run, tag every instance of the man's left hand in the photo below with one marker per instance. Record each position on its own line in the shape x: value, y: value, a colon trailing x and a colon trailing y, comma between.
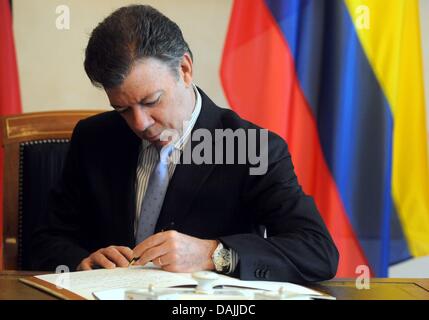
x: 176, y: 252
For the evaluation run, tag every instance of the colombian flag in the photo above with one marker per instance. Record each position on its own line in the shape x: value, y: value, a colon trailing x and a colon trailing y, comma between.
x: 341, y: 81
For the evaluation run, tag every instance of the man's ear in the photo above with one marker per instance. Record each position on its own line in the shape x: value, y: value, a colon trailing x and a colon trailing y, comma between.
x: 186, y: 69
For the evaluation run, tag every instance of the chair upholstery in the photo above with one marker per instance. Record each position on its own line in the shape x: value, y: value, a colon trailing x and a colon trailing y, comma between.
x: 35, y: 146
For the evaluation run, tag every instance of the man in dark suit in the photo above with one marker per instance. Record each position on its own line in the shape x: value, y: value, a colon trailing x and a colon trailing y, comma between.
x: 205, y: 216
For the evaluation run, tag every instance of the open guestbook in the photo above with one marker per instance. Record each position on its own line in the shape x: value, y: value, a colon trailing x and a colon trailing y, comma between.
x: 151, y: 283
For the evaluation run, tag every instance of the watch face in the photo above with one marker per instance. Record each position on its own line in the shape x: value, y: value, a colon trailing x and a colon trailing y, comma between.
x: 225, y: 256
x: 222, y: 260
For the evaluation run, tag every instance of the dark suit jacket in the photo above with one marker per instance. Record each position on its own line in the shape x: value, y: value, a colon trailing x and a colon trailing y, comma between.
x: 93, y: 206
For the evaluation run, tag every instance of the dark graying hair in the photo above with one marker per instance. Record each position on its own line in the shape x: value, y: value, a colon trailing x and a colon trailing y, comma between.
x: 128, y: 35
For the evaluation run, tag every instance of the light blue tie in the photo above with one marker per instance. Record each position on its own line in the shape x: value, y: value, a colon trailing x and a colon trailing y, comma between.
x: 154, y: 196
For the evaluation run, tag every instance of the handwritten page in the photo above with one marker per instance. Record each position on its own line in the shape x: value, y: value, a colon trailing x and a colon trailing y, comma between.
x: 84, y: 283
x: 111, y: 283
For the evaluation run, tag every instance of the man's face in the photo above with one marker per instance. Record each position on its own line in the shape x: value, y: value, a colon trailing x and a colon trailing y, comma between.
x: 152, y: 99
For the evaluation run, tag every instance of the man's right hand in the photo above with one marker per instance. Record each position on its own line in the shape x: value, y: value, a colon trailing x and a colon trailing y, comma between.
x: 108, y: 258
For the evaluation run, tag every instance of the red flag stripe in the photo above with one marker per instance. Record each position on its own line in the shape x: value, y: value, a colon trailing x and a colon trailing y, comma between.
x: 10, y: 101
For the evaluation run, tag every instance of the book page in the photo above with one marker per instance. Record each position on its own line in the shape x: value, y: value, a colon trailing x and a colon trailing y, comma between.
x: 84, y: 283
x: 111, y: 283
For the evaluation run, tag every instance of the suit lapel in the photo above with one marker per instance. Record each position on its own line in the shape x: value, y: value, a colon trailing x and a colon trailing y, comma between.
x: 189, y: 178
x: 124, y: 175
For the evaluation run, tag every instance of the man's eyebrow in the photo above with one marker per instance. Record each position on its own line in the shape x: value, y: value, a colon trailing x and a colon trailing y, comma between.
x: 142, y: 101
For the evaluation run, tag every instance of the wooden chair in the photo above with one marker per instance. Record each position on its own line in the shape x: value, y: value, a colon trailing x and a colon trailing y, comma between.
x: 35, y: 146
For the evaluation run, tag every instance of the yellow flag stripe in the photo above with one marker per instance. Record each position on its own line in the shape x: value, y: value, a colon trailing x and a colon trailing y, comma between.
x: 390, y: 35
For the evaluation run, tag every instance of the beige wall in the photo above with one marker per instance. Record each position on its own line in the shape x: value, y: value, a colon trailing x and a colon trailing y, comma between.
x: 50, y: 61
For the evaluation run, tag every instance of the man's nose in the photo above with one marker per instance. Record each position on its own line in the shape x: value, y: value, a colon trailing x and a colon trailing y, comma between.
x: 141, y: 119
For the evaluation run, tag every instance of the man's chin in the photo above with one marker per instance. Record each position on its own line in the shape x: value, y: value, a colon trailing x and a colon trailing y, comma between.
x: 156, y: 140
x: 160, y: 143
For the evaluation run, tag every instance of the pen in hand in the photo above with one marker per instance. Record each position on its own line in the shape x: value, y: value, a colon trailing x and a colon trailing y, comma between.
x: 133, y: 260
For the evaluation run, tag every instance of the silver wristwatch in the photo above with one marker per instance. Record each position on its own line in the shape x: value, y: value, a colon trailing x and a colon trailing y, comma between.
x: 221, y: 258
